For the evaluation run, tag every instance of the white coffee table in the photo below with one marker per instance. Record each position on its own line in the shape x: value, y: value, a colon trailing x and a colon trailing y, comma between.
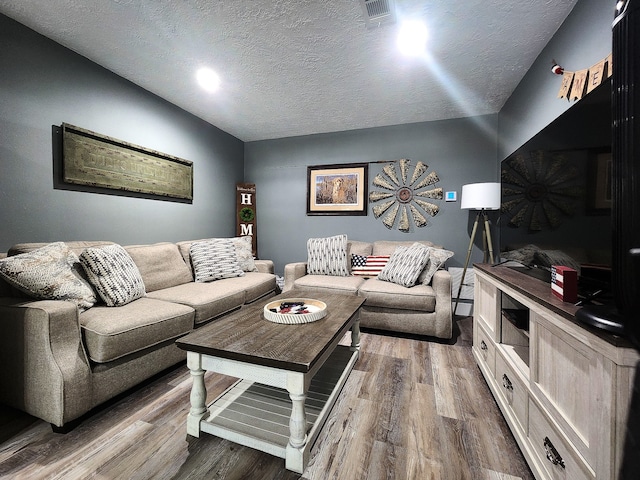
x: 290, y: 376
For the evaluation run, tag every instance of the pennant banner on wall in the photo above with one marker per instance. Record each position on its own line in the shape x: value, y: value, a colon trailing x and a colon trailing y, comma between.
x: 576, y: 85
x: 246, y: 213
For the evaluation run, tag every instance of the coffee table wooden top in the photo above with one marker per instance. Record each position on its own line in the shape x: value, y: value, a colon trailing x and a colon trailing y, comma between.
x: 247, y: 336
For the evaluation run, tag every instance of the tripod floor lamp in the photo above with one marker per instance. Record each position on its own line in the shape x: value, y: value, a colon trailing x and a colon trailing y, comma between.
x: 480, y: 197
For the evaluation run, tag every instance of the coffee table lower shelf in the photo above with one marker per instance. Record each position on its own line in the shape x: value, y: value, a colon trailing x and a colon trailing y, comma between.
x: 258, y: 416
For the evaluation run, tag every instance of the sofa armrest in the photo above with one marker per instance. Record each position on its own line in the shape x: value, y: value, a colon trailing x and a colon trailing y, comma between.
x: 441, y: 283
x: 293, y: 271
x: 265, y: 266
x: 45, y: 370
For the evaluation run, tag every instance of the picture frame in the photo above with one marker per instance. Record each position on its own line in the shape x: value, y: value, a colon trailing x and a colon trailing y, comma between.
x: 338, y: 189
x: 95, y: 160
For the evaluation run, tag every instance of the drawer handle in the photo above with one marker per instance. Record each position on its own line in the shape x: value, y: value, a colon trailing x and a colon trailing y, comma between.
x: 552, y: 454
x: 506, y: 383
x: 483, y: 346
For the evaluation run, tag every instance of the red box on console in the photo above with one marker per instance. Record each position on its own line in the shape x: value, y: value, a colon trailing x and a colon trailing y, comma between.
x: 564, y: 283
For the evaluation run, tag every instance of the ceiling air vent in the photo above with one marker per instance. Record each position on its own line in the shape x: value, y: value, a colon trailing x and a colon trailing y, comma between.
x: 378, y: 12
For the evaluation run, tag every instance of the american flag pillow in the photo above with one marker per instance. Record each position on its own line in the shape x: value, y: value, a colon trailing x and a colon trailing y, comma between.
x: 368, y: 266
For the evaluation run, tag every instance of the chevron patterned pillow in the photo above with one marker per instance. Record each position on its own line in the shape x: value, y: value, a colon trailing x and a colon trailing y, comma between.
x: 113, y: 274
x: 405, y: 264
x: 214, y: 259
x: 327, y: 256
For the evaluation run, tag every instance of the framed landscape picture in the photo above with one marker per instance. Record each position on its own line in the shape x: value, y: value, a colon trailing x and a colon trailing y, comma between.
x: 337, y: 189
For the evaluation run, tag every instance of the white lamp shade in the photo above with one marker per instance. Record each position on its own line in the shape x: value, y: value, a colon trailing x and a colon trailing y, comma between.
x: 478, y: 196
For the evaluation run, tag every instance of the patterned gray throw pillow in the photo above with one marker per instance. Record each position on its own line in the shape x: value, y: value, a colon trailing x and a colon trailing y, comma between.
x: 405, y: 264
x: 113, y: 274
x: 328, y: 256
x: 437, y: 259
x: 49, y: 273
x: 214, y: 259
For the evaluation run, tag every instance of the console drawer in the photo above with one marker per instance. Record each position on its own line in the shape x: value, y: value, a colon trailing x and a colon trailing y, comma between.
x: 485, y: 347
x: 513, y: 390
x: 557, y: 456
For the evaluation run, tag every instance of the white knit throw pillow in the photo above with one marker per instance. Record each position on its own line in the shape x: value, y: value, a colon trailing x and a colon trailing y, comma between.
x: 244, y: 253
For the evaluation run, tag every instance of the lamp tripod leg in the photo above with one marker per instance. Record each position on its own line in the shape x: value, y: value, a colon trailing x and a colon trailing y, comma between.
x: 466, y: 262
x: 488, y: 231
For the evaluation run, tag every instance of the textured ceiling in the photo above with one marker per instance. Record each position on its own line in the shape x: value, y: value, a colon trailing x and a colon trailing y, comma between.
x: 299, y: 67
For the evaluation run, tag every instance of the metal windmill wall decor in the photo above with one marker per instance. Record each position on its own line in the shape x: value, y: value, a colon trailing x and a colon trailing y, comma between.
x: 405, y: 197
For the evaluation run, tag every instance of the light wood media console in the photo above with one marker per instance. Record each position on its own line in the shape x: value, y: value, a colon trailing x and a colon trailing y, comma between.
x: 563, y: 388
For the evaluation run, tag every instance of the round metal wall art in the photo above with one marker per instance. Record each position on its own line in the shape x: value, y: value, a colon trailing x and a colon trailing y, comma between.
x: 405, y: 199
x: 539, y: 192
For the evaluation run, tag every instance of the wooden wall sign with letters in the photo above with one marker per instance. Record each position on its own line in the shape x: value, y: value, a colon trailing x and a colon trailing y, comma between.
x: 246, y: 213
x: 97, y: 160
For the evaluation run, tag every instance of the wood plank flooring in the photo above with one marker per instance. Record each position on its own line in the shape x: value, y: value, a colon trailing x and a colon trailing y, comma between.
x: 412, y: 408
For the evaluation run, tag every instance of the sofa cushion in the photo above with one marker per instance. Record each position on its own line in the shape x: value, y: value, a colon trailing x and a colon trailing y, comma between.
x: 185, y: 245
x: 184, y: 248
x: 391, y: 295
x: 209, y: 300
x: 111, y: 333
x: 437, y: 259
x: 111, y: 271
x: 328, y: 256
x: 405, y: 264
x: 359, y: 248
x: 51, y: 272
x: 214, y: 259
x: 255, y: 285
x: 523, y: 255
x: 387, y: 247
x: 161, y: 265
x: 76, y: 247
x: 328, y: 283
x: 548, y: 258
x: 368, y: 266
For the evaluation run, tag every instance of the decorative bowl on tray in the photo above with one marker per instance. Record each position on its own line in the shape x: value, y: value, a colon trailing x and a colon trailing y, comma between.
x: 295, y: 310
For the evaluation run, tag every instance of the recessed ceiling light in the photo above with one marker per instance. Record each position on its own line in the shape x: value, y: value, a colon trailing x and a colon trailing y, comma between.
x: 412, y: 38
x: 208, y: 79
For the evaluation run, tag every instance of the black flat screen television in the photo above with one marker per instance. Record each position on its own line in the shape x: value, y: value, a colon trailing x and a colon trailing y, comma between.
x: 556, y: 197
x: 574, y: 189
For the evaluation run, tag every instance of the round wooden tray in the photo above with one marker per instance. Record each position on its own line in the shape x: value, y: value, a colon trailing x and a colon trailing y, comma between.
x: 316, y: 308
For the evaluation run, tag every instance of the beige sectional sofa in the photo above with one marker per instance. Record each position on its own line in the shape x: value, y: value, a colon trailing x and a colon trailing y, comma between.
x: 59, y: 362
x: 423, y: 309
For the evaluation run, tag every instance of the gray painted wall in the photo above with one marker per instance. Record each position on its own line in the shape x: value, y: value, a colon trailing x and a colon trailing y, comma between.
x: 43, y: 84
x: 581, y: 41
x: 461, y: 151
